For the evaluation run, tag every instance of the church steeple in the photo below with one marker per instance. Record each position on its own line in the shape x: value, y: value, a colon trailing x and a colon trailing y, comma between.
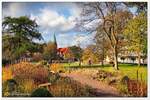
x: 55, y: 42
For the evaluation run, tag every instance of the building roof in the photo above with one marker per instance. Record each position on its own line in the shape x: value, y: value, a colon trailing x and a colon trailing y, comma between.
x: 63, y: 50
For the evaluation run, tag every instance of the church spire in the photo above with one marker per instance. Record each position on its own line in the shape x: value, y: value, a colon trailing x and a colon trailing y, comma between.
x: 55, y: 42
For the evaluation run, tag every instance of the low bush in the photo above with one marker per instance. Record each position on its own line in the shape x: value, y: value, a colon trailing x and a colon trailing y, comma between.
x: 41, y: 92
x: 137, y: 88
x: 42, y: 63
x: 8, y: 87
x: 37, y: 57
x: 123, y: 89
x: 6, y: 73
x: 53, y: 77
x: 25, y: 70
x: 26, y: 86
x: 65, y: 87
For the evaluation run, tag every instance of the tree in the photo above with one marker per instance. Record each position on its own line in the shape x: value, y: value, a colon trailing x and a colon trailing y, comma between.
x: 69, y: 55
x: 37, y: 56
x: 50, y: 51
x: 136, y: 34
x: 77, y: 53
x: 133, y: 58
x: 18, y: 35
x: 141, y: 6
x: 123, y: 58
x: 111, y: 18
x: 90, y: 53
x: 102, y: 45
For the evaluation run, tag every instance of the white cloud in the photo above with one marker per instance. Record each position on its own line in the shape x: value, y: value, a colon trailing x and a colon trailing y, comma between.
x: 14, y: 9
x: 75, y: 10
x: 92, y: 24
x: 65, y: 40
x: 52, y: 21
x: 84, y: 39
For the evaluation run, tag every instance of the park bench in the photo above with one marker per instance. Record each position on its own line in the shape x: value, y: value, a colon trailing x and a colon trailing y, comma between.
x: 45, y: 85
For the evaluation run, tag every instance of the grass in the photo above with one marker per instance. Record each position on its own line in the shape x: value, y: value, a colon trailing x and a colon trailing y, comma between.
x: 76, y: 65
x: 125, y: 69
x: 131, y: 71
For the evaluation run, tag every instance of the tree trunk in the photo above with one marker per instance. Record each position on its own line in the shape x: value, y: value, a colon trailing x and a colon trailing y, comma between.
x: 102, y: 63
x: 139, y: 59
x: 79, y: 62
x: 103, y: 52
x: 116, y: 59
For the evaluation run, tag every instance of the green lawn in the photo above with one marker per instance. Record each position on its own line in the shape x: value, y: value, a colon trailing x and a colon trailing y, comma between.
x: 131, y: 71
x: 125, y: 69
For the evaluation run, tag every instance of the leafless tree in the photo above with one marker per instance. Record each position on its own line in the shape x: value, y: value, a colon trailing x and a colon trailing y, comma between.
x: 111, y: 17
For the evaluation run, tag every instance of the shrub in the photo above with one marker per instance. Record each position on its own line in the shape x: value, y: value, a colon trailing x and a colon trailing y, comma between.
x: 41, y: 92
x: 123, y: 89
x: 56, y: 67
x: 53, y: 77
x: 37, y: 56
x: 124, y: 80
x: 40, y: 75
x: 8, y: 87
x: 137, y: 88
x: 26, y: 86
x: 65, y: 87
x: 6, y: 73
x: 5, y: 62
x: 25, y: 70
x: 42, y: 63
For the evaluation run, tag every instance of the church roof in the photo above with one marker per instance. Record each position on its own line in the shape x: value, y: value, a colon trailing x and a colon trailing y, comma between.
x: 63, y: 50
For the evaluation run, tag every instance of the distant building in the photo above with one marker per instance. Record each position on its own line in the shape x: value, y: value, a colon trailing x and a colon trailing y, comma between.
x: 127, y: 58
x: 60, y: 51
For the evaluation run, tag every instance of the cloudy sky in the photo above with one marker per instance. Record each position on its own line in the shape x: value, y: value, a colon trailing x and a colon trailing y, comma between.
x: 58, y: 18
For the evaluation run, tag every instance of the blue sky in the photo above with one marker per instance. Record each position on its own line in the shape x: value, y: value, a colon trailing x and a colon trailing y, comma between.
x: 58, y: 18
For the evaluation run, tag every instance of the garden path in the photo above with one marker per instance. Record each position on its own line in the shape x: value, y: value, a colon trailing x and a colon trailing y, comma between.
x: 100, y: 89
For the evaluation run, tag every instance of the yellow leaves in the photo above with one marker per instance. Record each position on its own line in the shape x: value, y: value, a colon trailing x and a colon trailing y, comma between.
x: 6, y: 94
x: 6, y: 73
x: 56, y: 67
x: 28, y: 85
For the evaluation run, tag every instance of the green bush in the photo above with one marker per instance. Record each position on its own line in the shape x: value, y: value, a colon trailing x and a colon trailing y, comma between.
x: 5, y: 62
x: 41, y: 92
x: 8, y: 87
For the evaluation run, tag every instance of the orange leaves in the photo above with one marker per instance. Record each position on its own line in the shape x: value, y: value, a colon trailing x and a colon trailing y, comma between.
x: 6, y: 74
x: 56, y: 67
x: 25, y: 70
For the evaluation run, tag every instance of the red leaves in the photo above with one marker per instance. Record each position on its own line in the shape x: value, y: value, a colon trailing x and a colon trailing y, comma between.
x: 137, y: 88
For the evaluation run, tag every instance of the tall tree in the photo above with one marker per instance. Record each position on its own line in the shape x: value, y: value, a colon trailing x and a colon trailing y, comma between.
x: 90, y: 53
x: 111, y: 17
x: 136, y: 34
x: 18, y: 35
x: 77, y: 52
x: 102, y: 45
x: 50, y: 51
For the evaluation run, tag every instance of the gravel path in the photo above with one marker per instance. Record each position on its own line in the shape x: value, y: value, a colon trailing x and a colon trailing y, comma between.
x: 99, y: 88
